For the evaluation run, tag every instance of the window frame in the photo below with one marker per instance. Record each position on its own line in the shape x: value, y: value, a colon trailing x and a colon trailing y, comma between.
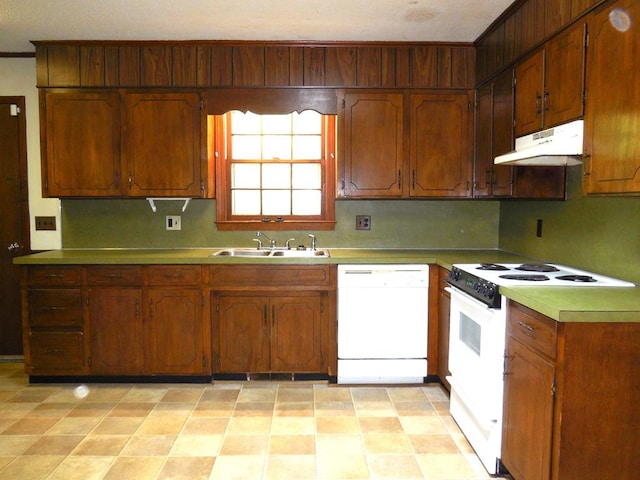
x: 224, y: 218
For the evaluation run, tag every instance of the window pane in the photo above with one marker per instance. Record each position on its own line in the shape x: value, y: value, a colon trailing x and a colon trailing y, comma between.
x: 307, y: 122
x: 276, y: 202
x: 308, y: 147
x: 245, y: 122
x: 276, y: 124
x: 245, y: 175
x: 307, y: 175
x: 276, y: 146
x: 245, y: 147
x: 276, y: 175
x: 245, y: 202
x: 307, y: 202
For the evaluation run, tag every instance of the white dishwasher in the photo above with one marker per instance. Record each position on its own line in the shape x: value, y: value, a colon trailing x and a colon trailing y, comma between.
x: 382, y: 323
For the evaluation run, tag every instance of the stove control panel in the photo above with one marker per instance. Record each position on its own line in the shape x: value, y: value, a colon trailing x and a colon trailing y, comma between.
x: 476, y: 287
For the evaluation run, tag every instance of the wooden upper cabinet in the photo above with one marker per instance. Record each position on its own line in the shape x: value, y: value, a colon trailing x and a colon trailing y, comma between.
x: 550, y: 83
x: 372, y: 126
x: 441, y: 144
x: 502, y: 134
x: 81, y: 144
x: 612, y: 116
x: 162, y: 144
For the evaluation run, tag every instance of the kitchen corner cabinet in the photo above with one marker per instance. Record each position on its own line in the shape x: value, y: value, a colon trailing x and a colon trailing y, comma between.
x: 570, y: 400
x: 273, y: 319
x: 550, y: 83
x: 611, y: 162
x: 122, y: 144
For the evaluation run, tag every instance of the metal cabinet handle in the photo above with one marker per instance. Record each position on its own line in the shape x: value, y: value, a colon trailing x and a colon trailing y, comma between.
x: 526, y: 326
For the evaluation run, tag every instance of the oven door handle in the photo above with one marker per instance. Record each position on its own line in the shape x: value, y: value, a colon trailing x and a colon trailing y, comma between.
x: 464, y: 297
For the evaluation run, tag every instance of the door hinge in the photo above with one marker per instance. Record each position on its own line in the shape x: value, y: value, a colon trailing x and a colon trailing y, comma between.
x: 89, y: 361
x: 343, y: 103
x: 553, y: 388
x: 202, y: 299
x: 201, y: 104
x: 204, y: 361
x: 470, y: 106
x: 217, y: 307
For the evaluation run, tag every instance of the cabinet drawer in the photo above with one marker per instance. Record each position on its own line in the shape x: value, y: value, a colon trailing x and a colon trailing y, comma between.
x: 174, y: 275
x: 60, y: 308
x: 114, y: 275
x: 532, y: 328
x: 266, y: 275
x: 56, y: 351
x: 55, y: 276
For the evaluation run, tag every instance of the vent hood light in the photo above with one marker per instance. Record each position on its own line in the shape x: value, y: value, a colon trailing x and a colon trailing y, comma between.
x: 557, y: 146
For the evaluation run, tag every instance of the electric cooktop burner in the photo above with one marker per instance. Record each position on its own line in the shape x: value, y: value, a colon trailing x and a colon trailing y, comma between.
x: 525, y: 277
x: 576, y: 278
x: 492, y: 266
x: 537, y: 267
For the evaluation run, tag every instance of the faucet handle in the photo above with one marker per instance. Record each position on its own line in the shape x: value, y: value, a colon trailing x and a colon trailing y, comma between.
x: 287, y: 244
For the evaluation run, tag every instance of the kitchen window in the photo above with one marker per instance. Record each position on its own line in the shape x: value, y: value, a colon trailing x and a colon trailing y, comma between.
x: 275, y: 171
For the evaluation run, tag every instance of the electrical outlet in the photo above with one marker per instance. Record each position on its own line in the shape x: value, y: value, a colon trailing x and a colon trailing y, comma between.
x: 539, y: 228
x: 173, y: 222
x: 363, y: 222
x: 45, y: 223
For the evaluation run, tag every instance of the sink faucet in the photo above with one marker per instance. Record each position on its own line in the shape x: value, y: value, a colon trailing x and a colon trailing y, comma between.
x: 287, y: 244
x: 260, y: 234
x: 313, y: 241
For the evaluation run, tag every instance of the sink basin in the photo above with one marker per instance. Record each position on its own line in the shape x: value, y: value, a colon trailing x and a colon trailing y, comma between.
x: 255, y: 253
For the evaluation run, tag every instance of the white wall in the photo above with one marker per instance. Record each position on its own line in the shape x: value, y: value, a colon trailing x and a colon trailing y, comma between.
x: 18, y: 79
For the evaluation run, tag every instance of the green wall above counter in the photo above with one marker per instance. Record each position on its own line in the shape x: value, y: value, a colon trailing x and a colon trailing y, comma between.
x: 399, y: 224
x: 598, y: 234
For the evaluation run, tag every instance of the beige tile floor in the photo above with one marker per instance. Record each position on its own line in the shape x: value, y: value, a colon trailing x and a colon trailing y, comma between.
x: 228, y: 430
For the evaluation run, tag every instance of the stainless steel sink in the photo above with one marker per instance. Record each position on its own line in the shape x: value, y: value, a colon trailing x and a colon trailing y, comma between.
x: 277, y: 253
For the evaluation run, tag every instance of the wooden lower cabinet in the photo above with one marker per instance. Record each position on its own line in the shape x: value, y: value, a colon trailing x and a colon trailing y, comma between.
x: 444, y: 308
x: 571, y: 396
x: 274, y: 319
x: 269, y: 333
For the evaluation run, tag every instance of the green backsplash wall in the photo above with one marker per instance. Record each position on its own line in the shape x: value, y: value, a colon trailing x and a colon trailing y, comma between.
x: 599, y: 234
x: 405, y: 223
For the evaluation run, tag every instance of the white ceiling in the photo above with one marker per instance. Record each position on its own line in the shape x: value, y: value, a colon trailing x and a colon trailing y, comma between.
x: 297, y: 20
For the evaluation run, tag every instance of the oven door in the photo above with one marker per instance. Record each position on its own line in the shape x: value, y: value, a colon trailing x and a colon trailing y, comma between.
x: 476, y: 353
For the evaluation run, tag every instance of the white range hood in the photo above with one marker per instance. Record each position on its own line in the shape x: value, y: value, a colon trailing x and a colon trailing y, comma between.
x: 557, y: 146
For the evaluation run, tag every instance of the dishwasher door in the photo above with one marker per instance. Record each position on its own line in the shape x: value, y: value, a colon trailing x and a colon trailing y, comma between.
x: 382, y: 323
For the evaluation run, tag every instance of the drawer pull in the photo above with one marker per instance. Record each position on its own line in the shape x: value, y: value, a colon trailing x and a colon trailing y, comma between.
x: 113, y: 275
x: 52, y: 309
x: 55, y: 351
x: 526, y: 326
x: 173, y: 275
x: 54, y: 275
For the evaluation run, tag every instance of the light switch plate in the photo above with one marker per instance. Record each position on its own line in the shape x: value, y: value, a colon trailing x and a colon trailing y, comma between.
x: 363, y: 222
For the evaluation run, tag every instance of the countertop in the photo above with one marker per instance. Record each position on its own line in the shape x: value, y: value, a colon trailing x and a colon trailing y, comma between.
x: 563, y: 304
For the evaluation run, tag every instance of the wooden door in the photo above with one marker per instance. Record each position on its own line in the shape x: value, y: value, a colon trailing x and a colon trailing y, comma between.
x: 174, y: 341
x: 162, y: 148
x: 501, y: 180
x: 564, y: 76
x: 441, y: 145
x: 529, y: 91
x: 14, y: 234
x: 528, y: 413
x: 242, y: 333
x: 296, y: 334
x: 483, y: 158
x: 82, y: 144
x: 115, y: 325
x: 612, y: 112
x: 372, y: 125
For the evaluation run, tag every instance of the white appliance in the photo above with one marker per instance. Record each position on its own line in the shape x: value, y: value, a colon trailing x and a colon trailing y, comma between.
x: 382, y: 323
x: 477, y: 342
x: 561, y: 145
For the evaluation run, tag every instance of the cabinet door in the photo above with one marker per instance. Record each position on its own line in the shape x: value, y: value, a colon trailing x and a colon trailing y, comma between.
x: 115, y: 323
x: 82, y: 144
x: 612, y: 112
x: 372, y: 125
x: 296, y: 334
x: 441, y: 145
x: 564, y: 76
x: 501, y: 180
x: 242, y: 333
x: 444, y: 310
x: 483, y: 158
x: 174, y: 340
x: 162, y: 148
x: 529, y: 94
x: 528, y: 412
